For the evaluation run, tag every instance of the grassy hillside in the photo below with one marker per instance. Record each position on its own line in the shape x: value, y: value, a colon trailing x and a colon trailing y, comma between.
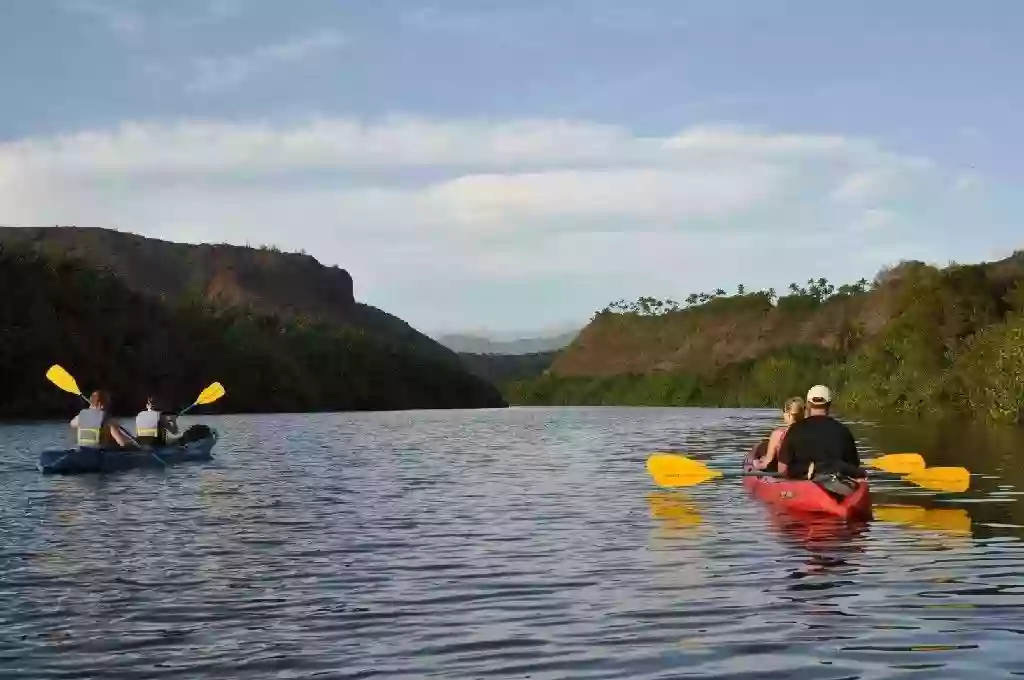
x: 57, y: 309
x: 917, y: 339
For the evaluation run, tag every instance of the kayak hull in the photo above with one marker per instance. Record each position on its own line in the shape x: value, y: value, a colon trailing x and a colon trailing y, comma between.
x: 805, y: 496
x: 88, y: 460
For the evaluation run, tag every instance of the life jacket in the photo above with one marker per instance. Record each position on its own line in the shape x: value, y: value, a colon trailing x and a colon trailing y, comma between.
x: 147, y: 425
x: 90, y: 427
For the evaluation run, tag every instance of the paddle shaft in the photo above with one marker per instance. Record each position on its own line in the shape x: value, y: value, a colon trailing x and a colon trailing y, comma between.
x: 779, y: 475
x: 760, y: 473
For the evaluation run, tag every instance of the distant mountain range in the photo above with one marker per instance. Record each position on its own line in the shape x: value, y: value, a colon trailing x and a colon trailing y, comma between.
x: 476, y: 344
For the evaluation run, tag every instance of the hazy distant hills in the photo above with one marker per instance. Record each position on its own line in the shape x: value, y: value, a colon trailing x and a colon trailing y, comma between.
x: 475, y: 344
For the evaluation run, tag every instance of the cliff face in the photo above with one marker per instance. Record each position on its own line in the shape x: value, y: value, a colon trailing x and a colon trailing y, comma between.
x: 139, y: 316
x: 270, y: 281
x: 265, y: 280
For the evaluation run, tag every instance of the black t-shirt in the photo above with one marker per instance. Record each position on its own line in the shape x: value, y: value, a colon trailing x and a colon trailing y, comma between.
x: 822, y: 440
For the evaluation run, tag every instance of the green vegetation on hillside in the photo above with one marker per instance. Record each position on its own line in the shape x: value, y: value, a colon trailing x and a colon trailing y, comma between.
x: 503, y: 369
x: 918, y: 340
x: 60, y: 310
x: 266, y: 279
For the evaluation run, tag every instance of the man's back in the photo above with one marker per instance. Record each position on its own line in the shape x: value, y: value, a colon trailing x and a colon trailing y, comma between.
x: 822, y: 440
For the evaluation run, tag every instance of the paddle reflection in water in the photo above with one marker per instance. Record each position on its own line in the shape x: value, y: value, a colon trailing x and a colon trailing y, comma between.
x: 948, y: 521
x: 677, y: 544
x: 678, y: 515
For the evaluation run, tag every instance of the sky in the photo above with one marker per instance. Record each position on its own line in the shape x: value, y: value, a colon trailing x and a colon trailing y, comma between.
x: 512, y: 167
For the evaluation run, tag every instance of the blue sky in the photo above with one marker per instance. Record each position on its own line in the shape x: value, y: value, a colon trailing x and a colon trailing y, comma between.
x: 516, y: 166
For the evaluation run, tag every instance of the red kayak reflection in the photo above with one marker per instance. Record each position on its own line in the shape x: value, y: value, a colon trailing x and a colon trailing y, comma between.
x: 818, y: 532
x: 829, y: 541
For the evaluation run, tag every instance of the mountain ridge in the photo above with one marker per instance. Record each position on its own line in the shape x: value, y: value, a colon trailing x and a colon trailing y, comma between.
x: 86, y: 302
x: 265, y: 279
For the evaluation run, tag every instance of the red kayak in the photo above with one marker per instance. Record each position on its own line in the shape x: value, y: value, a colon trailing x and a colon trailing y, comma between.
x: 805, y: 495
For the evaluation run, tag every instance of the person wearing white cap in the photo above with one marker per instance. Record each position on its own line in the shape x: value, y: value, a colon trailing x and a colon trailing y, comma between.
x: 821, y: 397
x: 819, y: 440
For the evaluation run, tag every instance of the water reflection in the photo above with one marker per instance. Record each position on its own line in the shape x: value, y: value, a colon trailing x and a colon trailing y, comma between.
x: 951, y: 521
x: 511, y: 543
x: 678, y: 515
x: 990, y: 453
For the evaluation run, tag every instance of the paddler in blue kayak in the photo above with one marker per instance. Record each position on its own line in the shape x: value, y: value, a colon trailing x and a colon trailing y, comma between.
x: 819, y: 444
x: 768, y: 450
x: 152, y: 425
x: 95, y: 427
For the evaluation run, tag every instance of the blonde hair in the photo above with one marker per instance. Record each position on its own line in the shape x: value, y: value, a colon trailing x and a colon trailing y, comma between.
x: 796, y: 407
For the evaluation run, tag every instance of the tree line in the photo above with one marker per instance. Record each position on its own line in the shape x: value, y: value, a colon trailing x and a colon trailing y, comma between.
x: 818, y: 290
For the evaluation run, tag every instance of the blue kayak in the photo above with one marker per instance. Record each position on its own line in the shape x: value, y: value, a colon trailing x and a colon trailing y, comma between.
x: 85, y: 460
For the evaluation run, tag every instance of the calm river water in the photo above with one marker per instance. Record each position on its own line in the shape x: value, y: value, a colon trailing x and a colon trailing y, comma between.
x: 519, y: 543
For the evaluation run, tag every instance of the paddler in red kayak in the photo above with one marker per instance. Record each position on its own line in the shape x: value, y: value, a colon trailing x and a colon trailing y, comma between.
x: 819, y: 440
x: 768, y: 450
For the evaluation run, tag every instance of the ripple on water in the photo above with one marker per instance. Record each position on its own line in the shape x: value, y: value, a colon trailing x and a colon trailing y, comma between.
x: 518, y: 543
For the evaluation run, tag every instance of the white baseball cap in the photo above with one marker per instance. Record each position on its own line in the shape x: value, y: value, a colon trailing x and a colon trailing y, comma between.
x: 819, y: 394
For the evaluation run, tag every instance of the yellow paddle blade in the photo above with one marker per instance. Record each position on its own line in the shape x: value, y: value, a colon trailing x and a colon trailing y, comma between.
x: 62, y: 379
x: 672, y: 470
x: 898, y: 463
x: 952, y: 479
x: 211, y: 394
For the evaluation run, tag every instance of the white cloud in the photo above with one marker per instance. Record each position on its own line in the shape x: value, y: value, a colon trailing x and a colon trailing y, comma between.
x: 635, y: 18
x: 874, y: 218
x: 225, y: 71
x: 518, y: 173
x: 649, y: 195
x: 870, y: 185
x: 222, y: 9
x: 505, y: 20
x: 117, y: 16
x: 404, y: 199
x: 968, y: 181
x: 199, y: 147
x: 971, y: 134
